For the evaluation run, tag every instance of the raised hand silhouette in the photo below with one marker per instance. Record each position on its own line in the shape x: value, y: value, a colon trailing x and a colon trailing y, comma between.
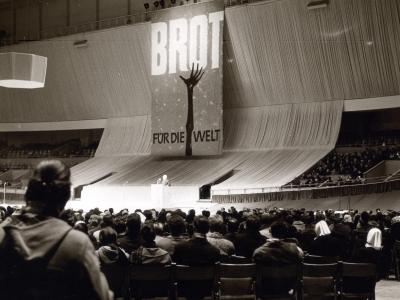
x: 191, y: 82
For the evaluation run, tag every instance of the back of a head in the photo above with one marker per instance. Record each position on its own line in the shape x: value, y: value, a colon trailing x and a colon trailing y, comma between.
x: 108, y: 236
x: 342, y: 231
x: 233, y: 225
x: 176, y: 225
x: 319, y: 216
x: 279, y: 230
x: 148, y: 234
x: 50, y: 186
x: 253, y: 223
x: 322, y: 228
x: 206, y: 213
x: 216, y: 225
x: 267, y: 219
x: 374, y: 239
x: 81, y: 226
x: 148, y: 214
x: 201, y: 224
x: 108, y: 220
x: 365, y: 217
x: 133, y: 224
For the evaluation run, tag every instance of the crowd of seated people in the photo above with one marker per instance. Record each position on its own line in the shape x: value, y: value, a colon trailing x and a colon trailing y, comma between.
x: 71, y: 148
x: 274, y: 236
x: 247, y: 233
x: 124, y: 239
x: 369, y: 141
x: 346, y: 167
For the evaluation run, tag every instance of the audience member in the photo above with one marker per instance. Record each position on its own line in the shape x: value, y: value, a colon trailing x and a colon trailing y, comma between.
x: 177, y: 228
x: 216, y: 238
x: 131, y: 240
x: 43, y: 253
x: 197, y: 250
x: 322, y: 228
x: 279, y: 250
x: 250, y: 239
x: 335, y: 244
x: 148, y: 252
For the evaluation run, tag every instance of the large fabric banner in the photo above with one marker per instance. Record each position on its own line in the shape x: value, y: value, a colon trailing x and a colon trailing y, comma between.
x: 186, y: 80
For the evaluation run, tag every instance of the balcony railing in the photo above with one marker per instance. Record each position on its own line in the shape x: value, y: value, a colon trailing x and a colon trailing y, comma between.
x: 144, y: 16
x: 301, y: 192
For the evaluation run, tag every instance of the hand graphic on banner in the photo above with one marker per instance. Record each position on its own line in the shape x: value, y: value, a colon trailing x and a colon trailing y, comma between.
x: 190, y: 83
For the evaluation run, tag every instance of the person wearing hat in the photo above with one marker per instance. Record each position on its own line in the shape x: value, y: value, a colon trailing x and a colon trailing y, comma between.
x: 41, y: 256
x: 334, y: 244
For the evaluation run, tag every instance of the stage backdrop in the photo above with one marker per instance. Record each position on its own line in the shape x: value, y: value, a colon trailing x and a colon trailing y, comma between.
x: 186, y: 80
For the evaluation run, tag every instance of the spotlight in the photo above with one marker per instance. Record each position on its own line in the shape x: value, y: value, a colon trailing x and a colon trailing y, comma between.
x: 80, y: 43
x: 146, y: 6
x: 156, y: 4
x: 317, y: 4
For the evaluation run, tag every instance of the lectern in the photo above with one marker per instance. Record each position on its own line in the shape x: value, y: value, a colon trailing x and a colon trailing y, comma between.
x: 160, y: 195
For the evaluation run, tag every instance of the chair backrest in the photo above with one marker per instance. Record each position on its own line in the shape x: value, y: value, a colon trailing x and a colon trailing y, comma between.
x: 193, y: 273
x: 357, y: 269
x: 315, y: 259
x: 237, y: 270
x: 277, y: 279
x: 357, y: 278
x: 235, y: 259
x: 396, y: 247
x: 320, y: 270
x: 319, y: 280
x: 117, y: 277
x: 150, y: 272
x: 396, y: 259
x: 196, y: 281
x: 237, y: 279
x: 148, y: 281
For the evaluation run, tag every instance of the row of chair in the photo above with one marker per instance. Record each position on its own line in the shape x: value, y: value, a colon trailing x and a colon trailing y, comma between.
x: 341, y: 280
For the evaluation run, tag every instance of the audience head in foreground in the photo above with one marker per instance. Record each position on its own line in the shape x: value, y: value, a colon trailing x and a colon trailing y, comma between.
x: 42, y: 252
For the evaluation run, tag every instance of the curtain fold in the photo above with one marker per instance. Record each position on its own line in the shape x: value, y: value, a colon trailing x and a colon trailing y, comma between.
x: 126, y: 136
x: 300, y: 126
x: 281, y: 52
x: 108, y: 78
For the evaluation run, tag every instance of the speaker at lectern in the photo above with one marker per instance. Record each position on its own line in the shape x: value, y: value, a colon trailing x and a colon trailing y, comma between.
x: 160, y: 192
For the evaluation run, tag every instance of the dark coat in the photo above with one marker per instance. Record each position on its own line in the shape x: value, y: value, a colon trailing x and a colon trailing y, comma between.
x: 196, y: 251
x: 129, y: 243
x: 246, y: 242
x: 331, y: 245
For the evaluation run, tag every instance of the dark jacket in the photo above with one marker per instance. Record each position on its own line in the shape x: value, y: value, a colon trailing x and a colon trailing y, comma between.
x: 331, y: 245
x: 57, y: 261
x: 278, y: 253
x: 246, y: 242
x: 129, y: 243
x: 196, y: 251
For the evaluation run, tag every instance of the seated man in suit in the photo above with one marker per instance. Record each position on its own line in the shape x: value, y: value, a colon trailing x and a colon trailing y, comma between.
x: 197, y: 251
x: 278, y: 251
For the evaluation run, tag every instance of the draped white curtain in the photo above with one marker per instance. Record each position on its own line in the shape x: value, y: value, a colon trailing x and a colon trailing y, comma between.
x: 106, y: 79
x: 302, y: 126
x: 281, y: 52
x: 252, y: 169
x: 126, y: 136
x: 266, y: 146
x: 98, y: 167
x: 271, y: 168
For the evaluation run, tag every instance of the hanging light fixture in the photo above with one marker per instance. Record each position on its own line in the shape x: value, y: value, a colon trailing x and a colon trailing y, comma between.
x: 22, y: 70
